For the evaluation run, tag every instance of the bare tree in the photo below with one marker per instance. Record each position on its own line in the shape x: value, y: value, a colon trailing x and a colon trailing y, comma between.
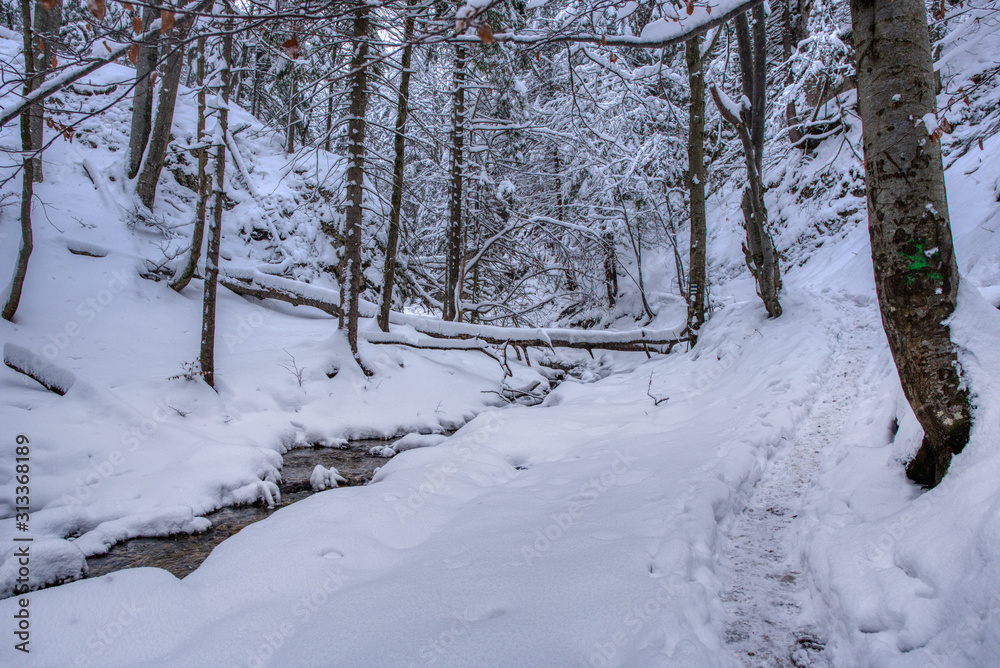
x: 142, y: 96
x: 184, y: 276
x: 27, y: 172
x: 695, y: 57
x: 356, y: 175
x: 221, y: 113
x: 453, y: 237
x: 396, y: 202
x: 173, y: 46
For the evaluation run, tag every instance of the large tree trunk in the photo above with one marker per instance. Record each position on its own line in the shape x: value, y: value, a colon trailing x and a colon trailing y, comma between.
x: 356, y: 176
x: 198, y: 234
x: 396, y: 202
x: 13, y: 292
x: 453, y: 238
x: 916, y: 275
x: 697, y: 272
x: 215, y: 233
x: 142, y: 97
x: 173, y: 47
x: 47, y: 25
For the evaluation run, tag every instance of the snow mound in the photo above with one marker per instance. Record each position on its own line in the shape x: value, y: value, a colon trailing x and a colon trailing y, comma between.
x: 382, y: 451
x: 413, y: 441
x: 325, y: 478
x: 49, y: 561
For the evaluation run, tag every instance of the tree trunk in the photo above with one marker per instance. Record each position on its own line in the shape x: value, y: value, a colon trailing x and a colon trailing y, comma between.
x: 396, y: 203
x: 290, y: 128
x: 198, y: 234
x: 916, y: 275
x: 762, y: 257
x: 453, y: 238
x: 142, y: 97
x: 610, y: 268
x: 27, y: 174
x: 697, y: 272
x: 47, y: 25
x: 215, y: 233
x: 356, y: 176
x: 173, y: 46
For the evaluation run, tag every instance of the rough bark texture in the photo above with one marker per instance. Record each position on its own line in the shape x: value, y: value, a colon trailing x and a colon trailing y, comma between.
x: 761, y: 255
x: 215, y: 234
x: 173, y: 48
x: 453, y: 238
x: 916, y: 275
x: 293, y: 89
x: 356, y: 174
x: 142, y: 97
x: 795, y: 20
x: 46, y: 29
x: 13, y: 292
x: 396, y: 202
x: 198, y: 234
x: 610, y: 268
x: 697, y: 274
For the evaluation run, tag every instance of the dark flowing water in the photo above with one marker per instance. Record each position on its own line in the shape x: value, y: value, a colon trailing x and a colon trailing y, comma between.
x: 182, y: 553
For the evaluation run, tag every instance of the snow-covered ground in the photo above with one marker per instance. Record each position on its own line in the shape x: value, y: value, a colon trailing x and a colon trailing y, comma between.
x: 755, y: 513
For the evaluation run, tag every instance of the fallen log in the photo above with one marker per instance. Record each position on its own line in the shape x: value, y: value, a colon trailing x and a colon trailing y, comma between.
x: 253, y: 283
x: 426, y: 342
x: 53, y: 378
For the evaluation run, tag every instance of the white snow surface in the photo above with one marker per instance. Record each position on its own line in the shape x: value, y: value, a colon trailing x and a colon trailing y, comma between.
x: 760, y: 507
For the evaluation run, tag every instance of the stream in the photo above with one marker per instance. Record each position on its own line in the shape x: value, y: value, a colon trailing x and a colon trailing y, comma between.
x: 182, y: 553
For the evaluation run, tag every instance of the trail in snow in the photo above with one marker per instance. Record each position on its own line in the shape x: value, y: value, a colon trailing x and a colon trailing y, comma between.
x: 763, y: 598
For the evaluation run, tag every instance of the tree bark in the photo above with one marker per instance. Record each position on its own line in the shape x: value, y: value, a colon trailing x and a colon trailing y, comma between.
x: 198, y: 234
x: 290, y: 127
x: 916, y: 275
x: 762, y: 257
x: 142, y: 97
x: 46, y: 31
x: 215, y: 233
x: 356, y: 176
x: 610, y: 267
x: 697, y: 271
x: 396, y: 201
x: 453, y: 238
x: 173, y: 46
x: 13, y: 292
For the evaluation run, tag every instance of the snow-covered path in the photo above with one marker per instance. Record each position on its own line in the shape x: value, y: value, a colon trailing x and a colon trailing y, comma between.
x: 766, y: 587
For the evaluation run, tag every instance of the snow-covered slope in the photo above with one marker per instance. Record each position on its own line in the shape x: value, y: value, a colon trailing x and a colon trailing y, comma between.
x: 135, y: 448
x: 744, y: 496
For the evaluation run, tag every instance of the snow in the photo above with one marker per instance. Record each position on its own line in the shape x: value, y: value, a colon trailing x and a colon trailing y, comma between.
x: 38, y: 368
x: 761, y: 507
x: 325, y: 478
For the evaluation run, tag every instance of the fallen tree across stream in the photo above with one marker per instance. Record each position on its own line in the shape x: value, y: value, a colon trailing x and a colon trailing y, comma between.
x: 254, y: 283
